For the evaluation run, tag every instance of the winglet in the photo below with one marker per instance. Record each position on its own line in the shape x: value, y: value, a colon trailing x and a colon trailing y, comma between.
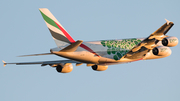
x: 167, y: 21
x: 4, y: 63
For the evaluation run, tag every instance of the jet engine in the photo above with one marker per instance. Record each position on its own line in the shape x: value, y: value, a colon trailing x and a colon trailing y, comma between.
x: 170, y: 41
x: 161, y: 51
x: 99, y: 67
x: 64, y: 68
x: 158, y: 52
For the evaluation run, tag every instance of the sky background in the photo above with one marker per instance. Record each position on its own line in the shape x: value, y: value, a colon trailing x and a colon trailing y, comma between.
x: 23, y: 31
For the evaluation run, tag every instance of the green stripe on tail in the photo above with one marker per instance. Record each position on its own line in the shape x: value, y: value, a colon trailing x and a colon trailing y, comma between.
x: 49, y: 20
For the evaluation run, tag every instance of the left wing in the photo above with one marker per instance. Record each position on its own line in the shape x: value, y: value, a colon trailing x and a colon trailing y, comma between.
x: 36, y: 54
x: 44, y: 63
x: 140, y: 50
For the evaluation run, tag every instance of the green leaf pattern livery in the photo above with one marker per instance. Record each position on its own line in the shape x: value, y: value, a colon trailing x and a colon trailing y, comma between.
x: 119, y: 48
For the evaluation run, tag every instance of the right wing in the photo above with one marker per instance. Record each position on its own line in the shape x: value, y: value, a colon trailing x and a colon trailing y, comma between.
x: 44, y: 63
x: 140, y: 50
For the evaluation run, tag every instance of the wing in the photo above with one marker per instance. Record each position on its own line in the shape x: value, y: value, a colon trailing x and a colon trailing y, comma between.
x: 140, y: 50
x: 44, y: 63
x: 36, y: 54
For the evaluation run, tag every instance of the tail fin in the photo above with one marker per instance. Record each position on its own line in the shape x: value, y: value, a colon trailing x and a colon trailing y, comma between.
x: 59, y: 34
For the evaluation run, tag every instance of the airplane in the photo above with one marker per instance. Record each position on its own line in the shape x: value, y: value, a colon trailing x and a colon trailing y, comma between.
x: 100, y: 54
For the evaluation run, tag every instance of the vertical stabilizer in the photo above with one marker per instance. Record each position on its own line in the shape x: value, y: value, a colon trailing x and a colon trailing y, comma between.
x: 59, y: 34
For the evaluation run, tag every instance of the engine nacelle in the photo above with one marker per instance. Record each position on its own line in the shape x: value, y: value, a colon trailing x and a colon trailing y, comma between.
x: 170, y: 41
x: 64, y: 68
x: 99, y: 67
x: 158, y: 52
x: 161, y: 51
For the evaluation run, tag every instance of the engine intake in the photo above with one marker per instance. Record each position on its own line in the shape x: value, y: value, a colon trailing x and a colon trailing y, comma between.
x: 161, y: 51
x: 170, y: 41
x: 66, y: 68
x: 99, y: 67
x: 158, y: 52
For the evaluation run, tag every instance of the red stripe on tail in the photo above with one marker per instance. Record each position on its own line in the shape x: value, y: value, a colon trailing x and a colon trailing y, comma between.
x: 65, y: 33
x: 72, y: 40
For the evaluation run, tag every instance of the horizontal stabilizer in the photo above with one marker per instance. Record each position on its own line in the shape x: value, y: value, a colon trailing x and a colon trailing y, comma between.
x: 72, y: 47
x: 36, y: 54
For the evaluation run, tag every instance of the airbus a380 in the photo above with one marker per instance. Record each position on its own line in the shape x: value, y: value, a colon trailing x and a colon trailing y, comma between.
x: 100, y: 54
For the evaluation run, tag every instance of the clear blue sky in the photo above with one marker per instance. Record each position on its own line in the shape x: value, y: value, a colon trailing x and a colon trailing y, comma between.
x: 23, y: 31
